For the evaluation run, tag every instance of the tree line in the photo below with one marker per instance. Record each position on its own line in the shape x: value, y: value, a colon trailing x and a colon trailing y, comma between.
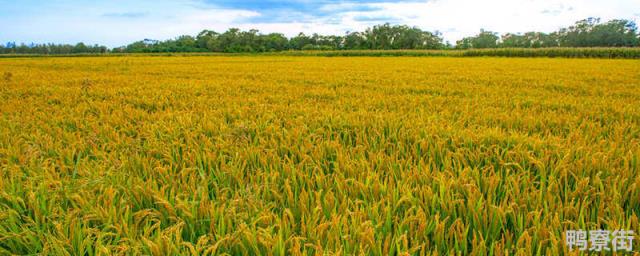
x: 589, y: 32
x: 382, y: 37
x: 13, y: 48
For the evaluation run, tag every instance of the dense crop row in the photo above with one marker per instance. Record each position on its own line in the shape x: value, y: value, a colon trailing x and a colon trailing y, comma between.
x: 602, y: 53
x: 289, y: 155
x: 606, y: 53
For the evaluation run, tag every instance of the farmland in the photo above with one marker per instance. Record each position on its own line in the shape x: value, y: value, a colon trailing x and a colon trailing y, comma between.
x: 289, y: 155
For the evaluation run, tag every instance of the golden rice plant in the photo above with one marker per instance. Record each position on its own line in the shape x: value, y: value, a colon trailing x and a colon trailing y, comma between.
x: 284, y: 155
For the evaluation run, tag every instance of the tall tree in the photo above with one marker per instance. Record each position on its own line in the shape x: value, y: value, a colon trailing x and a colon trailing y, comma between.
x: 485, y: 39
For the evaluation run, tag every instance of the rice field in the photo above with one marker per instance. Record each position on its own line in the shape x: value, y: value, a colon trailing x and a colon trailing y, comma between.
x: 286, y: 155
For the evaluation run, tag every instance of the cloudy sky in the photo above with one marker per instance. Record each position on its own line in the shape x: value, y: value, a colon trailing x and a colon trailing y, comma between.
x: 118, y: 22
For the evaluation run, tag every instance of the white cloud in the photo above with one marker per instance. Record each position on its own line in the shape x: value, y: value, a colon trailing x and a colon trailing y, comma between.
x: 114, y: 24
x: 459, y: 18
x: 119, y: 22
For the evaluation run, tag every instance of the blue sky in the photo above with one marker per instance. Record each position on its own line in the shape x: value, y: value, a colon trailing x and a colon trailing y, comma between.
x: 118, y: 22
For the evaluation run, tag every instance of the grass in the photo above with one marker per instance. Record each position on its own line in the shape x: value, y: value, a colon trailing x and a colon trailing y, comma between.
x: 606, y: 53
x: 287, y: 155
x: 557, y: 52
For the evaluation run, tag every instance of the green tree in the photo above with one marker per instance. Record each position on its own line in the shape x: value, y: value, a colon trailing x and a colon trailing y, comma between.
x: 204, y: 38
x: 356, y: 41
x: 80, y: 48
x: 275, y: 42
x: 485, y: 39
x: 299, y: 41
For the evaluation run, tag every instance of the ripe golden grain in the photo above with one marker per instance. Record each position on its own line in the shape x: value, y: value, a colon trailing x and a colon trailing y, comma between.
x: 311, y: 155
